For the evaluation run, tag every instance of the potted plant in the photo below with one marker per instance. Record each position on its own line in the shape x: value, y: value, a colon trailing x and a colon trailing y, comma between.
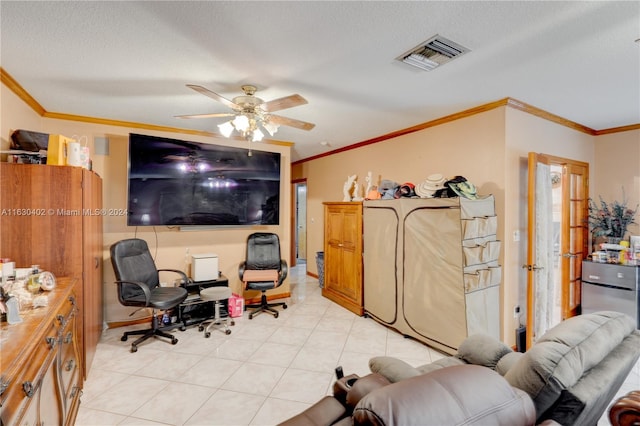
x: 610, y: 220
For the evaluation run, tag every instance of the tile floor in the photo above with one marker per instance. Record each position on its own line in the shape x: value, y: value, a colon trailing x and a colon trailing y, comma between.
x: 265, y: 371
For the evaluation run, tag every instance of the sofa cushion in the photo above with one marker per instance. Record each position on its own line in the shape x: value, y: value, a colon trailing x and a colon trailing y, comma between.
x: 480, y: 349
x: 508, y: 361
x: 561, y: 356
x: 394, y: 369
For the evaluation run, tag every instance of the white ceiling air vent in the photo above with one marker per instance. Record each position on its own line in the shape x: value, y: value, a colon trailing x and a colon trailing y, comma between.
x: 432, y: 53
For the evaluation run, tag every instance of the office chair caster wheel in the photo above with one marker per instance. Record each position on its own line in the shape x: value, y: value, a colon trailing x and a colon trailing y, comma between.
x: 174, y: 341
x: 124, y: 338
x: 284, y: 306
x: 227, y: 332
x: 233, y: 322
x: 250, y: 316
x: 275, y: 315
x: 134, y: 348
x: 183, y: 328
x: 207, y: 334
x: 200, y: 328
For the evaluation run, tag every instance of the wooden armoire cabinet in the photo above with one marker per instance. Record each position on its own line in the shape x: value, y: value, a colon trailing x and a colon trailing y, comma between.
x: 343, y: 254
x: 51, y: 216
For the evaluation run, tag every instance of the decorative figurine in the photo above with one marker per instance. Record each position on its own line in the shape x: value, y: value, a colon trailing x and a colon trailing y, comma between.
x: 368, y: 179
x: 357, y: 194
x: 346, y: 189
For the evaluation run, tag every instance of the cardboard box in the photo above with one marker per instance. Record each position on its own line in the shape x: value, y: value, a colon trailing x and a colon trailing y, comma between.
x: 57, y: 150
x: 204, y: 267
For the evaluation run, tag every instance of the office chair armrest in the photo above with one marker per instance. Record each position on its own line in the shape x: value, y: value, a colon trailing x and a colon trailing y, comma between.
x: 142, y: 286
x: 183, y: 276
x: 284, y: 270
x: 241, y: 269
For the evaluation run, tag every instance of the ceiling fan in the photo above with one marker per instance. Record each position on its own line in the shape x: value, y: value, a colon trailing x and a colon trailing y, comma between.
x: 250, y: 113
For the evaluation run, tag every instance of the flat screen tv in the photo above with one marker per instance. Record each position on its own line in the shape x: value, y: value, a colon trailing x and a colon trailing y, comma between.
x: 180, y: 183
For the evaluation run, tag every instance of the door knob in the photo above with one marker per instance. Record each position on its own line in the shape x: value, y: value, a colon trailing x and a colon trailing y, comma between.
x: 532, y: 267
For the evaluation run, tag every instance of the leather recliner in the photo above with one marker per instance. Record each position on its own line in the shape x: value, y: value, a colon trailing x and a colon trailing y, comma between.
x: 463, y: 394
x: 571, y: 373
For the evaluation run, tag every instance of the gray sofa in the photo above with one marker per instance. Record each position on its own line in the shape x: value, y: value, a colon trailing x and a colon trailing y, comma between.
x: 571, y: 373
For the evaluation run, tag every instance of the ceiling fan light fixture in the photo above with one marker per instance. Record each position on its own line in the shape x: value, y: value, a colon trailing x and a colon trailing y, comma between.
x: 270, y: 127
x: 257, y: 135
x: 226, y: 128
x: 250, y: 113
x: 241, y: 123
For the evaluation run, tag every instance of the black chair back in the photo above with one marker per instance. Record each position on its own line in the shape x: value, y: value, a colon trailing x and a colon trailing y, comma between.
x: 132, y: 261
x: 263, y: 251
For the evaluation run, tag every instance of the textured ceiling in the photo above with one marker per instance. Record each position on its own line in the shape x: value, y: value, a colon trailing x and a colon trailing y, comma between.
x: 131, y: 60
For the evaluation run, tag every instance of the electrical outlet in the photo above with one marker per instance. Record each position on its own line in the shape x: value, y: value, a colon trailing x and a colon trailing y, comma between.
x: 516, y: 311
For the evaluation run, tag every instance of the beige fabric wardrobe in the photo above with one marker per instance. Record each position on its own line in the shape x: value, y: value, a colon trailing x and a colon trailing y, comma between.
x: 431, y: 268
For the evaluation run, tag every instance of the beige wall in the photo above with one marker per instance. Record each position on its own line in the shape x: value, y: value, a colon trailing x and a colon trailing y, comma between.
x: 617, y: 166
x: 473, y: 147
x: 15, y: 114
x: 227, y: 243
x: 490, y: 149
x: 527, y: 133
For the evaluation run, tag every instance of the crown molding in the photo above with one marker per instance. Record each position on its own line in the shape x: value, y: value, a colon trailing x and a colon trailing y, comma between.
x: 16, y: 88
x: 530, y: 109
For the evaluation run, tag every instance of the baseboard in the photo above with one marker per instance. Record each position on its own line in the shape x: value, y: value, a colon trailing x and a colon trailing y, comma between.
x: 116, y: 324
x: 145, y: 320
x: 255, y: 300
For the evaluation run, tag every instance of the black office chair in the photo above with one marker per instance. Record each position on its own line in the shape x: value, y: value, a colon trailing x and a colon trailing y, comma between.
x: 139, y: 285
x: 263, y: 270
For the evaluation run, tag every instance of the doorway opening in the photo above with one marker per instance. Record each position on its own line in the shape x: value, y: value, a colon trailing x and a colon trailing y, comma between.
x: 556, y: 240
x: 299, y: 234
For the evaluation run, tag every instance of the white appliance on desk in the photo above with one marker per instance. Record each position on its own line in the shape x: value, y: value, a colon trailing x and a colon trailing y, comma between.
x: 611, y: 287
x: 204, y: 267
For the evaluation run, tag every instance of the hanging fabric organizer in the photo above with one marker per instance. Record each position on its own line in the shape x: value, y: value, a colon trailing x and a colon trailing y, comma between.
x: 431, y: 268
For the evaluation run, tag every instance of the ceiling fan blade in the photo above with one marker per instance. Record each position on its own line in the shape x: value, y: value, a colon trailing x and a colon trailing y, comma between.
x: 213, y: 95
x: 291, y: 122
x: 220, y: 114
x: 283, y: 103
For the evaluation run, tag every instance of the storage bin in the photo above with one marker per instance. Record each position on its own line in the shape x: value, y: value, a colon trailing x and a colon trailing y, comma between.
x: 320, y: 265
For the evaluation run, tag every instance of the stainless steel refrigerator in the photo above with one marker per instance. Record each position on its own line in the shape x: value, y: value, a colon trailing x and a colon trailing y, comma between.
x: 611, y: 287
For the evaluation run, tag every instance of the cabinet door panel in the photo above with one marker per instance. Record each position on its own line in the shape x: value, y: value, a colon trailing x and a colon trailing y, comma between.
x: 51, y: 236
x: 351, y: 230
x: 350, y: 279
x: 332, y: 275
x: 334, y: 227
x: 90, y: 323
x: 343, y: 255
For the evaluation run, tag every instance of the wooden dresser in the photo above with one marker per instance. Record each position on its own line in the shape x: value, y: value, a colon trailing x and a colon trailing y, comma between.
x: 343, y: 254
x: 41, y: 379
